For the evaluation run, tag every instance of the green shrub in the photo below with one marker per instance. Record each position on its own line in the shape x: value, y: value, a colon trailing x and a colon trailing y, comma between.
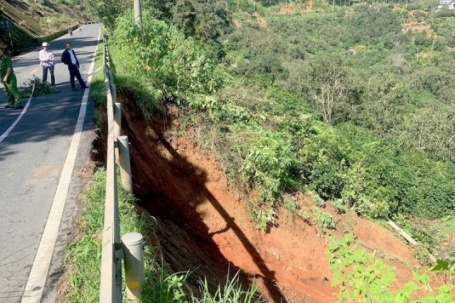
x: 271, y: 167
x: 422, y: 40
x: 173, y: 66
x: 444, y: 13
x: 323, y: 220
x: 38, y: 87
x: 325, y: 179
x: 361, y: 277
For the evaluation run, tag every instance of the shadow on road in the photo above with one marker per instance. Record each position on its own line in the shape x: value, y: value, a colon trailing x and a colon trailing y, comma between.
x: 51, y: 115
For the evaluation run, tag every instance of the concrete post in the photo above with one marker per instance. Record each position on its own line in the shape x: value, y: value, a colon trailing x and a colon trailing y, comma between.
x: 133, y: 244
x: 124, y: 163
x: 138, y: 14
x: 117, y: 126
x: 114, y: 93
x: 117, y: 120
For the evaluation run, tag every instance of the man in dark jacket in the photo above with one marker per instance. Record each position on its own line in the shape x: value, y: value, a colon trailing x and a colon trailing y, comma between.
x: 70, y: 59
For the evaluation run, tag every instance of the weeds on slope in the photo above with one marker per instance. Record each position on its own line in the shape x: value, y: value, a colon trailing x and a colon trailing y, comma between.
x: 83, y: 257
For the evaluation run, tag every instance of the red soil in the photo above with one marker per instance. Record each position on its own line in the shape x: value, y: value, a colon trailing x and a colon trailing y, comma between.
x: 236, y: 23
x: 204, y: 227
x: 417, y: 27
x: 284, y: 10
x: 261, y: 21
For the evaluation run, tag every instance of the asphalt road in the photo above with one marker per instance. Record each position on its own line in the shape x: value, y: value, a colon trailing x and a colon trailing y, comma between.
x: 32, y: 158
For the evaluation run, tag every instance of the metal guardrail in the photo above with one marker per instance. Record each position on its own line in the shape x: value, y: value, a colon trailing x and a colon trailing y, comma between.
x: 114, y: 250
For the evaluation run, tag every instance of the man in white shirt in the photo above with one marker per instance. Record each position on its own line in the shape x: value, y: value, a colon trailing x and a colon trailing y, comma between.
x: 46, y: 58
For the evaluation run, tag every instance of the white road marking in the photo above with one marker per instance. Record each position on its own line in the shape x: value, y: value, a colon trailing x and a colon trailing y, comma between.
x: 6, y: 133
x: 38, y: 275
x: 33, y: 71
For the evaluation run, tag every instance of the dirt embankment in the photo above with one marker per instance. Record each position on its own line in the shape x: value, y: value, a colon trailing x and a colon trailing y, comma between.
x: 203, y: 227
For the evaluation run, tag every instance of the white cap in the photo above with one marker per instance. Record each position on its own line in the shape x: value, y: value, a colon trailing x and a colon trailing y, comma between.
x: 45, y: 44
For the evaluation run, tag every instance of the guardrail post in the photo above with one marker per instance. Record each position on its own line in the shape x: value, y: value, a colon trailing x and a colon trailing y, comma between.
x: 124, y: 163
x: 138, y: 14
x: 114, y: 92
x: 133, y: 244
x: 117, y: 112
x: 117, y: 120
x: 117, y: 127
x: 111, y: 76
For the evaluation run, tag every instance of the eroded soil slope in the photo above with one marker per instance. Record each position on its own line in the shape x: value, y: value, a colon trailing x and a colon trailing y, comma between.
x: 203, y: 225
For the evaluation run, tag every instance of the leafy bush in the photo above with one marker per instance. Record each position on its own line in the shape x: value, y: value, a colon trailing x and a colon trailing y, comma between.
x: 323, y: 220
x: 445, y: 13
x: 356, y: 268
x: 176, y: 68
x: 38, y: 87
x: 375, y: 177
x: 422, y: 40
x: 206, y: 20
x: 271, y: 167
x: 373, y: 25
x: 440, y: 44
x: 325, y: 179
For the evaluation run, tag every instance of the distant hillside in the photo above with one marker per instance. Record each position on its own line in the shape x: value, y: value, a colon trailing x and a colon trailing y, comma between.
x: 36, y: 20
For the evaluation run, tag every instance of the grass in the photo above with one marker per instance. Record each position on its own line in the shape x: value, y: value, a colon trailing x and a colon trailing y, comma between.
x: 83, y: 257
x: 230, y: 292
x: 97, y: 91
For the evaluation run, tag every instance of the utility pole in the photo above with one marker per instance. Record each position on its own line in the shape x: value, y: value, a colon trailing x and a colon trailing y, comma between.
x: 138, y: 14
x: 48, y: 21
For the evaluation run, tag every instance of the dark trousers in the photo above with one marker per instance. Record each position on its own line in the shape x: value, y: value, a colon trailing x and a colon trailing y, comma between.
x: 51, y: 70
x: 74, y: 72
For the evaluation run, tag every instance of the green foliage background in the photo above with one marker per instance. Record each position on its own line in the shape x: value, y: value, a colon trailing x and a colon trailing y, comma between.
x: 343, y: 103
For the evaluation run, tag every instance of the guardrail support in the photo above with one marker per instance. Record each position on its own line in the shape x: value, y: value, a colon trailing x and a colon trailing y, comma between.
x: 114, y: 93
x: 124, y: 163
x: 138, y: 14
x: 133, y: 244
x: 117, y: 123
x: 117, y: 119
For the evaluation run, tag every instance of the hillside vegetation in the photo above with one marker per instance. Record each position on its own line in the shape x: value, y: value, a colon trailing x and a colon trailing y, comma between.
x: 347, y: 104
x: 30, y: 19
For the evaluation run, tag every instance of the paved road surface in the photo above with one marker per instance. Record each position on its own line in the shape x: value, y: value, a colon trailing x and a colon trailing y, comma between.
x: 32, y: 157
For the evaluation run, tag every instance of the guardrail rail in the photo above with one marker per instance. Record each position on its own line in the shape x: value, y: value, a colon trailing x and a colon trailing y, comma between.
x: 129, y: 248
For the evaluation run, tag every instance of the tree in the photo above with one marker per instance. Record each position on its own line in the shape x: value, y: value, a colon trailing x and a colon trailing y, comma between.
x: 324, y: 83
x: 108, y: 10
x: 432, y: 130
x: 207, y: 20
